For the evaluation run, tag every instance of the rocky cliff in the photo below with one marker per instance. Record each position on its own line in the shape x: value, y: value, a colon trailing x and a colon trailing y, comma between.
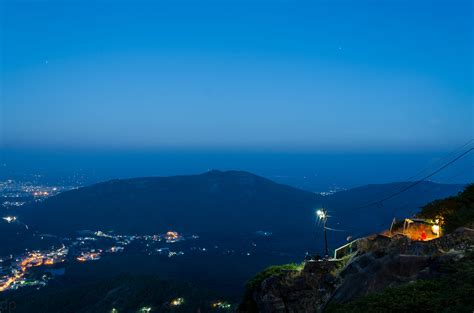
x: 379, y: 263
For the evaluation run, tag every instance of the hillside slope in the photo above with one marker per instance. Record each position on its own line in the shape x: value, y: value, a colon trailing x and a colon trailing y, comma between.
x: 123, y: 293
x: 215, y: 201
x: 220, y: 202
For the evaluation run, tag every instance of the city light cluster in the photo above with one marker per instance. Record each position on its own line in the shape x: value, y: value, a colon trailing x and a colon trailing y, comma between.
x: 19, y: 267
x: 223, y: 305
x: 177, y: 302
x: 89, y: 256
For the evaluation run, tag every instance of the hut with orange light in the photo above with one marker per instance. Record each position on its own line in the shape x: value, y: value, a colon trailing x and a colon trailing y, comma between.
x: 417, y: 228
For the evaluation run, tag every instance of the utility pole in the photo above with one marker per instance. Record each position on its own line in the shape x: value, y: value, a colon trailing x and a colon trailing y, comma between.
x: 326, y: 238
x: 323, y: 216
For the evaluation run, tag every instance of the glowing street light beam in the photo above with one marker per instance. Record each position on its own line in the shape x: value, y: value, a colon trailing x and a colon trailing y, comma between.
x: 323, y: 215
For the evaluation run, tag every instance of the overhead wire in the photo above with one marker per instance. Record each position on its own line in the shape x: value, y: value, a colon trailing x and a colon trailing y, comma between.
x: 416, y: 182
x: 413, y: 184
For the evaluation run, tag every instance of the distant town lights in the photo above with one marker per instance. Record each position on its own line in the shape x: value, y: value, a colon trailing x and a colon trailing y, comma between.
x: 221, y: 305
x: 40, y: 193
x: 177, y: 301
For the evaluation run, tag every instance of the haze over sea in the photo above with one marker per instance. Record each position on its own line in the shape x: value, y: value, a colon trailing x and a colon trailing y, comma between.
x: 313, y: 171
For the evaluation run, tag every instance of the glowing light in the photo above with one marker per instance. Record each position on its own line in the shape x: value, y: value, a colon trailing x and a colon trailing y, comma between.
x: 321, y: 214
x: 177, y: 302
x: 10, y: 219
x: 88, y: 256
x: 221, y: 305
x: 172, y: 236
x: 32, y: 259
x: 145, y: 309
x: 435, y: 229
x: 115, y: 249
x: 40, y: 193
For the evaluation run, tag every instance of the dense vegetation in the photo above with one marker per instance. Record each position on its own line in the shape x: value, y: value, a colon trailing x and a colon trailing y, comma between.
x: 248, y: 303
x: 456, y: 211
x: 125, y: 293
x: 451, y: 294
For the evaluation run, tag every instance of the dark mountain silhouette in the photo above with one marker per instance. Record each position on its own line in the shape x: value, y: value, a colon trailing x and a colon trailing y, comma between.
x: 215, y: 201
x: 221, y: 202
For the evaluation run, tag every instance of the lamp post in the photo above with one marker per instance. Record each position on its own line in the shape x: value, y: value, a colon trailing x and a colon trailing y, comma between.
x: 323, y: 216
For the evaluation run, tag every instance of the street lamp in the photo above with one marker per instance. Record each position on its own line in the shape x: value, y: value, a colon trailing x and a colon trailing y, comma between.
x: 321, y: 213
x: 323, y: 216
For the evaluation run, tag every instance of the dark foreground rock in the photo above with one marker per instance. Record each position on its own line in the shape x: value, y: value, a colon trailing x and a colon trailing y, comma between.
x: 379, y: 263
x: 296, y: 291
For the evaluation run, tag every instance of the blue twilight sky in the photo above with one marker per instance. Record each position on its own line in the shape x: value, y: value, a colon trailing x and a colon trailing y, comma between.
x: 272, y: 75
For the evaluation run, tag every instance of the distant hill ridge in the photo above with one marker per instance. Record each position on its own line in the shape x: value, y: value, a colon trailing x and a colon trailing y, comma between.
x: 215, y: 201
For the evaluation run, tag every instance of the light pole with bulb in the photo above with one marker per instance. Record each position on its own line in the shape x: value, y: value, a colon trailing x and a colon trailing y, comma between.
x: 323, y: 216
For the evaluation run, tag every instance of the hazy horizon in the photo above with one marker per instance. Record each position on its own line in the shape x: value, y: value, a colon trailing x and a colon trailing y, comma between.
x: 308, y: 170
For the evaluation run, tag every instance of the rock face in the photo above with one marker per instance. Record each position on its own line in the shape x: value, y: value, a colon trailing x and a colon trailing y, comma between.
x: 385, y: 262
x: 379, y: 263
x: 296, y: 291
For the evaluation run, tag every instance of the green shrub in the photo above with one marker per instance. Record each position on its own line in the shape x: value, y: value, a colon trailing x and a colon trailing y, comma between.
x: 457, y: 211
x: 257, y: 280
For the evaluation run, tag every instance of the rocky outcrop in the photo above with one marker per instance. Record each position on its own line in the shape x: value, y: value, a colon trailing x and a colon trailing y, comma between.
x: 379, y: 263
x: 385, y: 262
x: 296, y: 291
